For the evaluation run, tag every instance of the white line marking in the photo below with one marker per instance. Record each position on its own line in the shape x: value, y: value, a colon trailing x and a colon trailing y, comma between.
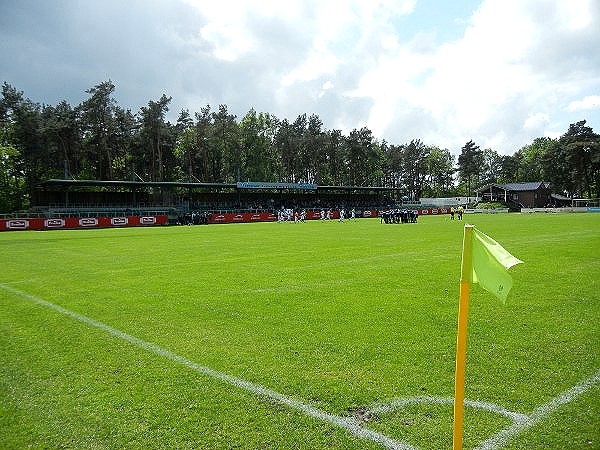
x: 348, y: 424
x: 502, y: 438
x: 398, y: 403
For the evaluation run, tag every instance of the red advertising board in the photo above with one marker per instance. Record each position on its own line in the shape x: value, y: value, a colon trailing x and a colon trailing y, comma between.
x: 81, y: 222
x: 242, y: 217
x: 434, y: 211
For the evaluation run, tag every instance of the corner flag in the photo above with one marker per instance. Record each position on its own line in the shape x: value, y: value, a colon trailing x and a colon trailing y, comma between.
x: 484, y: 261
x: 490, y: 263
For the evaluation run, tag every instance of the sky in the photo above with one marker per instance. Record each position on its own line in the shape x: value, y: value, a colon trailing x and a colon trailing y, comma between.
x: 498, y: 72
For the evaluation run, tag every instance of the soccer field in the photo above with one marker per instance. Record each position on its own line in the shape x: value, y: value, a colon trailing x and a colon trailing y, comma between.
x: 309, y: 335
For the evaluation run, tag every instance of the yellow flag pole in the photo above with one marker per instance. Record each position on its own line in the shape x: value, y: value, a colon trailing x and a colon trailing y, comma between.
x: 466, y: 275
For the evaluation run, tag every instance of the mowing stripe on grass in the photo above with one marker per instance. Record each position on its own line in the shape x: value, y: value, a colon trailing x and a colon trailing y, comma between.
x: 346, y: 423
x: 502, y: 438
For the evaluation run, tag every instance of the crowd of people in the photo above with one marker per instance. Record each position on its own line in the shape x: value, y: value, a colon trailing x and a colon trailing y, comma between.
x: 392, y: 215
x: 271, y: 202
x: 399, y: 216
x: 459, y: 212
x: 291, y: 215
x: 296, y: 215
x: 194, y: 218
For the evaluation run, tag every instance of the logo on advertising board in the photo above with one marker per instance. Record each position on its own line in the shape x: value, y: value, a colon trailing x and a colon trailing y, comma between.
x: 366, y: 213
x: 434, y: 211
x: 148, y: 220
x: 238, y: 217
x: 271, y: 216
x: 17, y: 224
x: 424, y: 212
x: 118, y: 221
x: 255, y: 217
x: 55, y: 223
x: 88, y: 222
x: 219, y: 218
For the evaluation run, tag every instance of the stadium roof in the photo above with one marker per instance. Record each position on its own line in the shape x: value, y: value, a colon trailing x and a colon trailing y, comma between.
x: 132, y: 184
x: 516, y: 187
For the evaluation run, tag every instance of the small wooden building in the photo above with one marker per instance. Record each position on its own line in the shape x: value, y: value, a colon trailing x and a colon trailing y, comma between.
x: 520, y: 195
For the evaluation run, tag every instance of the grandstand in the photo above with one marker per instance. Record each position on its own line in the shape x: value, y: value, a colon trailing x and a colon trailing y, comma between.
x: 70, y: 198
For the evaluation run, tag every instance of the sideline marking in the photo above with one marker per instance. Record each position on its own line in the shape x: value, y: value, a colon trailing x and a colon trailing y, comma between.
x: 502, y: 438
x: 348, y: 424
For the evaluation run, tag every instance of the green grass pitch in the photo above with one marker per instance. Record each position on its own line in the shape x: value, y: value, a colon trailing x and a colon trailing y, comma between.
x: 342, y: 317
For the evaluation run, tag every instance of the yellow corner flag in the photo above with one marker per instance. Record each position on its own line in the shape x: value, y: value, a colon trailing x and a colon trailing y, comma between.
x: 490, y: 263
x: 484, y: 261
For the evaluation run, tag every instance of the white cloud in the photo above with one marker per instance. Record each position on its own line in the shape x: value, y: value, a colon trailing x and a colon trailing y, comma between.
x: 460, y: 84
x: 575, y: 14
x: 326, y: 87
x: 230, y: 26
x: 588, y: 102
x: 229, y: 41
x: 536, y: 120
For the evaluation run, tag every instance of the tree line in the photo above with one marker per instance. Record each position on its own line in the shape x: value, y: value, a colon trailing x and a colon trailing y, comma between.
x: 98, y: 139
